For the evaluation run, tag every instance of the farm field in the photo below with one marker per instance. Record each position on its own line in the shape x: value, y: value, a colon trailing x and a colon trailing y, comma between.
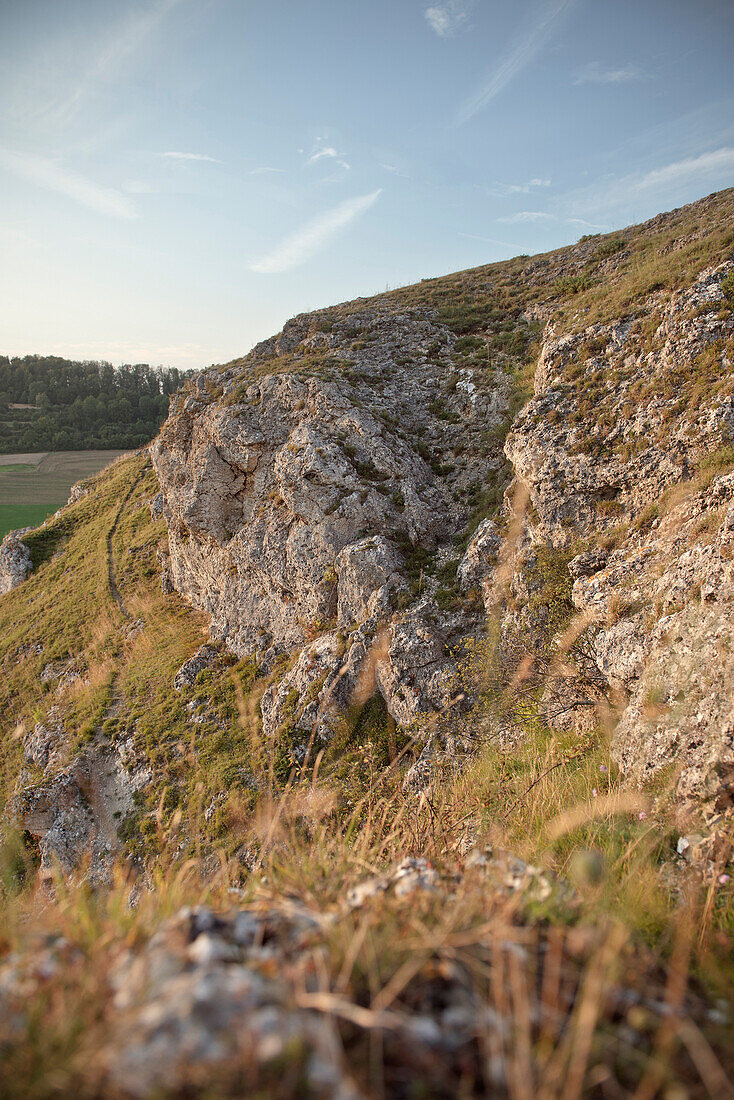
x: 34, y: 484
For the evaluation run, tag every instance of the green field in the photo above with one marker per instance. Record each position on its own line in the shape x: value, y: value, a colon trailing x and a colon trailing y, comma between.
x: 34, y: 485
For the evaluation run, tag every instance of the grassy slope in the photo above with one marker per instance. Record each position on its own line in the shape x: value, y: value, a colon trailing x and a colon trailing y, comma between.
x: 326, y: 831
x: 67, y: 607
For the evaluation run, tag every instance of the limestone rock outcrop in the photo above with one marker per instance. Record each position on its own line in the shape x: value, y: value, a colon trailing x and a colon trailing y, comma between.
x: 15, y: 560
x: 619, y: 449
x: 304, y: 487
x: 73, y: 802
x: 317, y: 494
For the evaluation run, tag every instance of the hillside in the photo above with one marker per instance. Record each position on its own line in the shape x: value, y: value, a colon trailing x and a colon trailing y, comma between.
x: 371, y: 733
x: 52, y: 404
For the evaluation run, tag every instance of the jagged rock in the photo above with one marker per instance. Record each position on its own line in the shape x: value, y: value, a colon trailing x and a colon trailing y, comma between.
x: 196, y: 995
x: 15, y: 560
x: 163, y: 559
x: 294, y: 500
x: 682, y: 710
x: 45, y: 741
x: 205, y: 657
x: 156, y: 506
x: 622, y: 650
x: 645, y: 599
x: 476, y: 566
x: 303, y: 700
x: 416, y: 675
x: 367, y: 572
x: 79, y: 490
x: 75, y: 811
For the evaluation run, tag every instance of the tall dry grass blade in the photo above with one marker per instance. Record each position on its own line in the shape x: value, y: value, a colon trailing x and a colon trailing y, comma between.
x: 675, y: 991
x: 523, y: 1075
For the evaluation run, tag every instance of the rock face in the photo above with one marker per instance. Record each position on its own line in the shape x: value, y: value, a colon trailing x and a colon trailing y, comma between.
x: 316, y: 494
x: 73, y: 802
x: 620, y: 448
x: 205, y: 657
x: 15, y: 560
x: 295, y: 501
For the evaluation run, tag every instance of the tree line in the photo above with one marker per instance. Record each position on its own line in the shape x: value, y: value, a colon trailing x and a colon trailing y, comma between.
x: 52, y: 404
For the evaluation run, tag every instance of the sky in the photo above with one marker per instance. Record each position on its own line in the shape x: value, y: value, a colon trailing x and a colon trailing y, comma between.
x: 178, y: 177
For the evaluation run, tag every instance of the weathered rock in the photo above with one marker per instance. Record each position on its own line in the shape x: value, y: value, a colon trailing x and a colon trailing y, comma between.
x: 304, y: 701
x: 658, y: 604
x: 294, y: 500
x: 156, y: 506
x: 79, y: 490
x: 476, y: 567
x: 75, y: 812
x: 416, y: 676
x: 205, y: 657
x: 45, y: 741
x: 15, y: 560
x: 367, y: 573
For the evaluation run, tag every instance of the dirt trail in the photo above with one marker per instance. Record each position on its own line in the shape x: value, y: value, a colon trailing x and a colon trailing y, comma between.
x: 114, y: 590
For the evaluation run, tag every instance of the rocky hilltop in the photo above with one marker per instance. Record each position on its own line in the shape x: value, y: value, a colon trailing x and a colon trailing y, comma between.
x: 307, y: 484
x: 424, y: 584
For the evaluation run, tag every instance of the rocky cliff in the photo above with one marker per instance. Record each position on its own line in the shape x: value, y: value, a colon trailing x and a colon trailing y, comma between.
x: 316, y: 494
x: 372, y: 735
x: 319, y: 495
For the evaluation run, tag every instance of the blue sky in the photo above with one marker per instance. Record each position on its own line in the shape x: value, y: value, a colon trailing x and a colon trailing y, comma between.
x: 177, y: 177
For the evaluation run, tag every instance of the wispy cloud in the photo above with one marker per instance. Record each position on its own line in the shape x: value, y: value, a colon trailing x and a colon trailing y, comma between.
x: 526, y: 188
x: 517, y: 59
x: 596, y: 73
x: 53, y: 176
x: 126, y: 39
x: 630, y: 195
x: 488, y: 240
x: 537, y: 216
x: 191, y: 156
x: 690, y: 168
x: 265, y: 170
x: 393, y: 169
x: 328, y: 153
x: 300, y: 246
x: 587, y: 225
x: 449, y: 17
x: 502, y: 190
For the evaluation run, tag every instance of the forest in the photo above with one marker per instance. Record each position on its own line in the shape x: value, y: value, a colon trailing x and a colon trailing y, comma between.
x: 52, y: 404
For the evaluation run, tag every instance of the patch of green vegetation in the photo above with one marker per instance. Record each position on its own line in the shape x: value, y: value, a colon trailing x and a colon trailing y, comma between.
x: 549, y: 584
x: 727, y: 287
x: 13, y: 516
x: 37, y: 485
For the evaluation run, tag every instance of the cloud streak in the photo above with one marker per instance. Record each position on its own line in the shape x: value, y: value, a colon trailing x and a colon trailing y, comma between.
x: 191, y: 156
x: 621, y: 196
x: 448, y: 18
x: 328, y: 153
x: 128, y: 38
x: 537, y: 216
x: 503, y: 190
x: 595, y: 73
x: 300, y: 246
x: 517, y: 59
x: 690, y: 168
x: 488, y: 240
x: 52, y: 176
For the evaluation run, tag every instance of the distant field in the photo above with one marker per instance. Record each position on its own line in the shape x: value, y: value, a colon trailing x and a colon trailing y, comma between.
x: 33, y: 486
